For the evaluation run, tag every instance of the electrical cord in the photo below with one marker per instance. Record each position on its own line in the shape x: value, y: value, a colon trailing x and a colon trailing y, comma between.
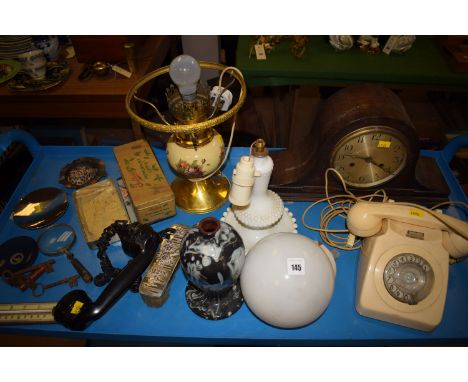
x: 153, y: 106
x: 233, y: 127
x: 338, y: 206
x: 455, y: 203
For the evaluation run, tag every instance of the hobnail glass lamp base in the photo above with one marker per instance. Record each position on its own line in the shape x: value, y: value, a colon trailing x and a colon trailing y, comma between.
x: 250, y: 236
x: 203, y: 196
x: 214, y: 306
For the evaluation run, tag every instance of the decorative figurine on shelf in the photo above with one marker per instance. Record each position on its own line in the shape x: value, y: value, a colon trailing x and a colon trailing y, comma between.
x: 369, y: 44
x: 298, y: 44
x: 341, y: 43
x: 212, y: 256
x: 195, y: 150
x: 256, y: 211
x: 399, y: 44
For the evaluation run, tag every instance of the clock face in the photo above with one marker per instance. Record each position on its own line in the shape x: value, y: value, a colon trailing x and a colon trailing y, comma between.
x: 370, y: 156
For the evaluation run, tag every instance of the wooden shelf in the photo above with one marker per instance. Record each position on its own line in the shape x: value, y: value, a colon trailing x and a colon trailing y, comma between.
x: 92, y: 98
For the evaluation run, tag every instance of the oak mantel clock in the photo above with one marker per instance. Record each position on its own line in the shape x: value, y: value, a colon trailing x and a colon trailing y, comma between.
x: 365, y: 133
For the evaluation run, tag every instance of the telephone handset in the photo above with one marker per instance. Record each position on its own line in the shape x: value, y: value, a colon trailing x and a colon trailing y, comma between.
x: 403, y: 268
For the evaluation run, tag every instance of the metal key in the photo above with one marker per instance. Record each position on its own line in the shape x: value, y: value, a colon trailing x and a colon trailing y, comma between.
x: 10, y: 276
x: 39, y: 288
x: 22, y: 281
x: 47, y: 265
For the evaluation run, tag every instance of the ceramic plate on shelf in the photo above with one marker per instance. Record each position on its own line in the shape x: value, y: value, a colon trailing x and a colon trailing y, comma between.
x: 8, y: 69
x: 57, y: 72
x: 12, y: 46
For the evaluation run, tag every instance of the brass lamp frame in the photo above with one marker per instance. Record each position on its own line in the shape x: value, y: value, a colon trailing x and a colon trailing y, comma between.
x: 195, y: 196
x: 179, y: 128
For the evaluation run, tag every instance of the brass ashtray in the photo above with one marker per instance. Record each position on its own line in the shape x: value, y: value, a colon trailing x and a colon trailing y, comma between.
x: 100, y: 68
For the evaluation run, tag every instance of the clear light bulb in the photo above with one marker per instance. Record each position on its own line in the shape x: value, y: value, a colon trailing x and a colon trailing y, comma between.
x: 185, y: 72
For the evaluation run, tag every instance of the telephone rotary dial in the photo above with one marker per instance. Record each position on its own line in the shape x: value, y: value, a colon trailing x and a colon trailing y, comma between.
x: 403, y: 267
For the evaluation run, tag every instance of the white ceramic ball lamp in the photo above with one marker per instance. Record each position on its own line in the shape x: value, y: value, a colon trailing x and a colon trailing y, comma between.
x: 288, y: 280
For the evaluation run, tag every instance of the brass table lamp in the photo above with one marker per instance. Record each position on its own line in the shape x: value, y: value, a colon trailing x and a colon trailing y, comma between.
x: 195, y: 150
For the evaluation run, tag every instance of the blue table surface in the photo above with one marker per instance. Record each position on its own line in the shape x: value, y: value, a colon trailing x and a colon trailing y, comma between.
x: 131, y: 320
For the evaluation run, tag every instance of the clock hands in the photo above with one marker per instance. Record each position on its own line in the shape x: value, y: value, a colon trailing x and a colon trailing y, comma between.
x: 369, y: 160
x: 357, y: 156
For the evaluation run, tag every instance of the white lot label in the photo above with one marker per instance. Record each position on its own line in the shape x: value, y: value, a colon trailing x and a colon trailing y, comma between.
x: 296, y: 266
x: 121, y: 71
x: 260, y: 52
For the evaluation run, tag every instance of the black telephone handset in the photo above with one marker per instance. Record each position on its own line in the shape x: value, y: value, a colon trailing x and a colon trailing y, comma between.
x: 76, y: 310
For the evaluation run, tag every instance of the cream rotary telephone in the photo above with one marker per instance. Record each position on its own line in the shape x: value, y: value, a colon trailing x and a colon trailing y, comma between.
x: 403, y: 268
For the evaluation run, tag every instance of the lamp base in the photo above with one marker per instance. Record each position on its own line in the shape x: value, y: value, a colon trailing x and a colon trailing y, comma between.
x: 212, y: 306
x: 250, y: 236
x: 201, y: 196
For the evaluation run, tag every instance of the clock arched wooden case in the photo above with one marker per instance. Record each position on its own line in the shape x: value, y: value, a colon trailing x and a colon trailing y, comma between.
x: 365, y: 133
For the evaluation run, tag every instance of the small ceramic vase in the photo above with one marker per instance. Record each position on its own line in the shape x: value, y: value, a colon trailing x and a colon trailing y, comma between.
x: 34, y: 63
x: 212, y: 256
x: 49, y: 45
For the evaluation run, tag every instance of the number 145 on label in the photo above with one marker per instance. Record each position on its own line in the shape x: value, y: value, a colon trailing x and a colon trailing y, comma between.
x: 296, y: 266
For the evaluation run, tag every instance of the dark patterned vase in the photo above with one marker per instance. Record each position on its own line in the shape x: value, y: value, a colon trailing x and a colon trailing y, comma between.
x: 212, y: 256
